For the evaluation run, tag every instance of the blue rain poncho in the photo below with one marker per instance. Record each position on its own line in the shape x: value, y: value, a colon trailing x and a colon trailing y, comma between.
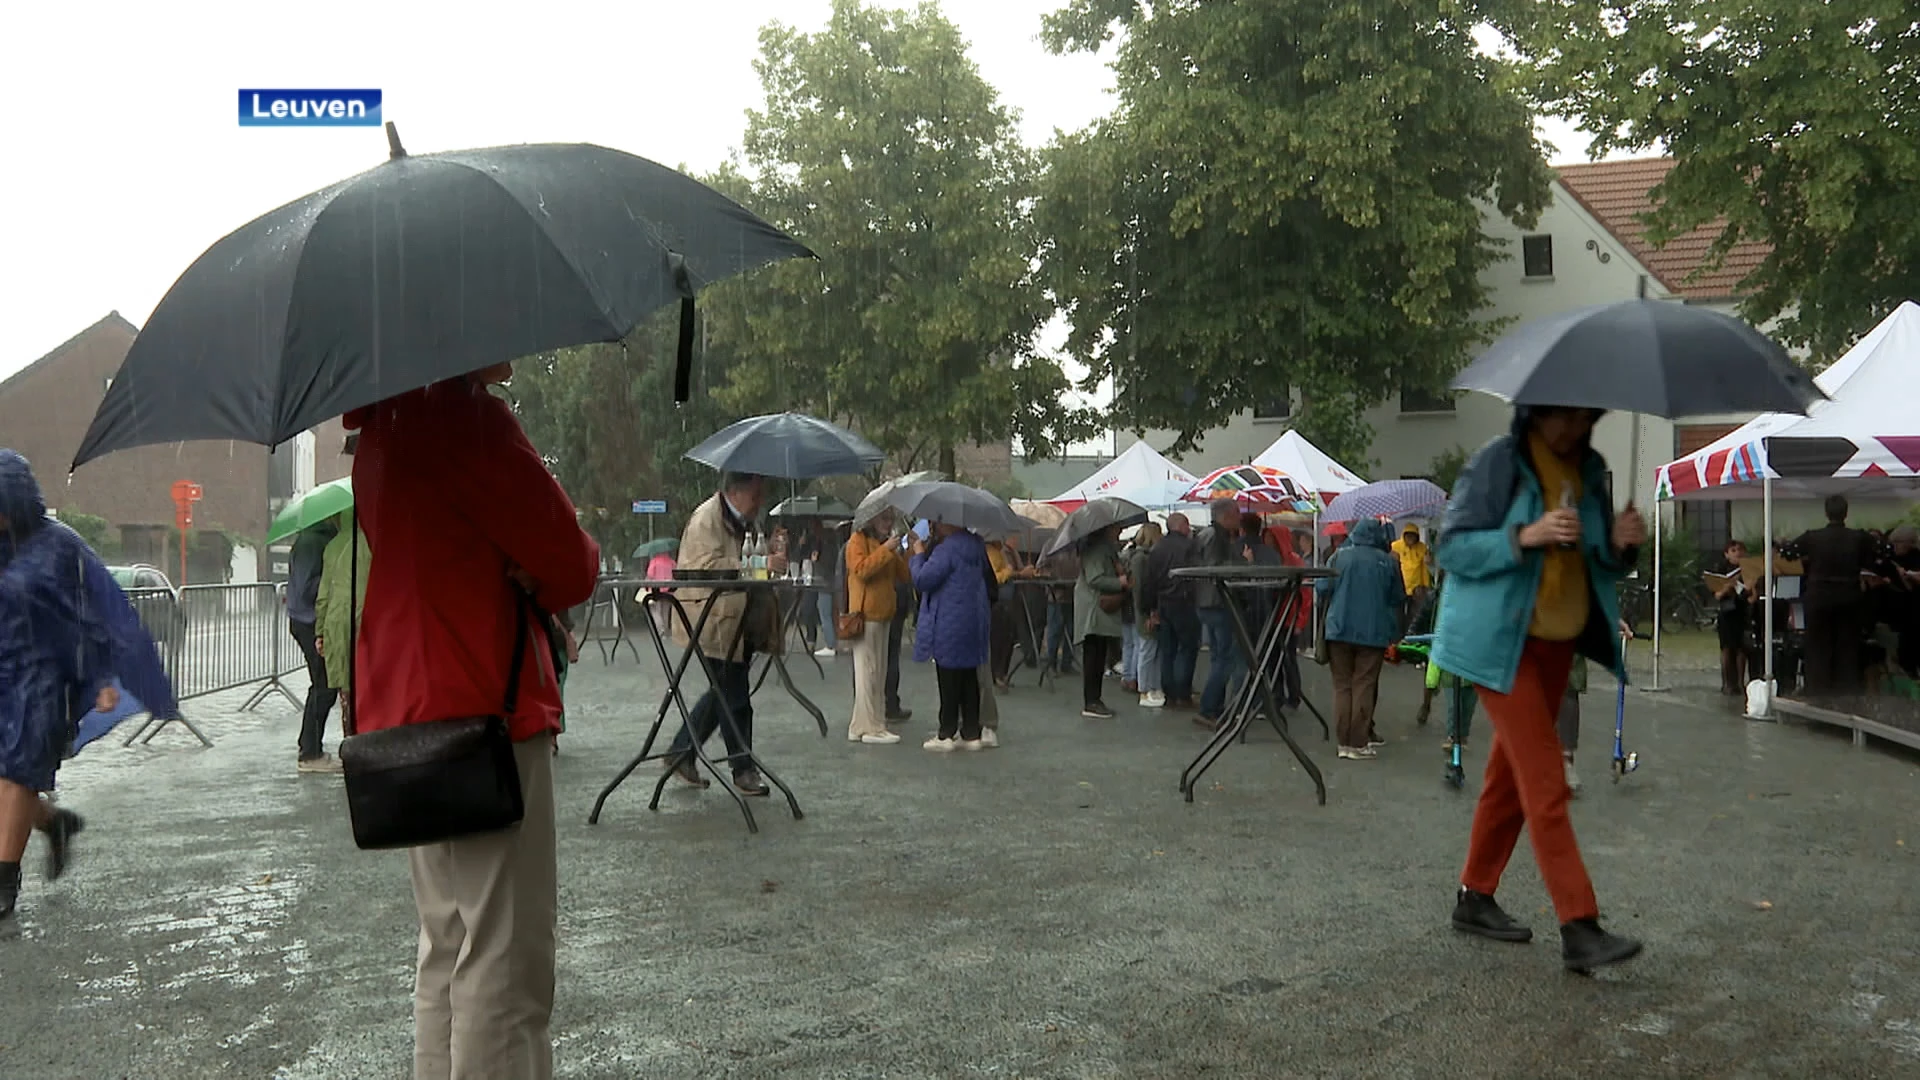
x: 66, y: 631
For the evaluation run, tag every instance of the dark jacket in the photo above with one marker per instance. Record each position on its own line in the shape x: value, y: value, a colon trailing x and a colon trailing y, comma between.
x: 1161, y: 589
x: 1367, y: 590
x: 304, y: 568
x: 953, y: 627
x: 1833, y: 558
x: 1215, y: 546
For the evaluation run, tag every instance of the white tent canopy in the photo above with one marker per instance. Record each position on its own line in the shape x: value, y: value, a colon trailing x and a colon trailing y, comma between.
x: 1309, y: 466
x: 1139, y: 475
x: 1865, y: 439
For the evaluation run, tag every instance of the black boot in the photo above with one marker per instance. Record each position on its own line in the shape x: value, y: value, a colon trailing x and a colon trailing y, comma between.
x: 1584, y: 946
x: 60, y: 831
x: 1477, y: 913
x: 9, y: 887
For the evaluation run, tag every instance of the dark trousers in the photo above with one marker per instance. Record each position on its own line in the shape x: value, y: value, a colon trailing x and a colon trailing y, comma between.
x: 904, y: 607
x: 735, y: 680
x: 1179, y: 651
x: 1001, y: 637
x: 320, y: 696
x: 1224, y: 662
x: 1057, y: 652
x: 1833, y: 637
x: 1100, y: 651
x: 959, y: 701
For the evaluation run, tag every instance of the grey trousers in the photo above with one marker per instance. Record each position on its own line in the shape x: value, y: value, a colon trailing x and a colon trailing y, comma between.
x: 989, y: 707
x: 1568, y: 722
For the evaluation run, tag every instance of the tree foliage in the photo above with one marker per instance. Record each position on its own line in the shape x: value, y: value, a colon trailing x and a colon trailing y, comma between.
x: 883, y: 149
x: 1289, y: 197
x: 1798, y: 122
x: 603, y: 416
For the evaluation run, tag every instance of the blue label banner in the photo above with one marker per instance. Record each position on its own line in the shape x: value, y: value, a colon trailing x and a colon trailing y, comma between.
x: 309, y: 108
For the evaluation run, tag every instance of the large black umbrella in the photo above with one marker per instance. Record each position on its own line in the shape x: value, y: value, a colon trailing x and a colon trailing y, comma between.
x: 957, y: 504
x: 418, y: 270
x: 1091, y: 518
x: 793, y: 446
x: 1642, y: 356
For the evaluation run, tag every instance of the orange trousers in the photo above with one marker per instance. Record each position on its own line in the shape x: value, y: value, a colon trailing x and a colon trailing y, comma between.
x: 1526, y: 784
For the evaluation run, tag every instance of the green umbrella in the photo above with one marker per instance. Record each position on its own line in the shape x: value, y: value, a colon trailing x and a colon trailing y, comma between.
x: 304, y: 512
x: 666, y: 545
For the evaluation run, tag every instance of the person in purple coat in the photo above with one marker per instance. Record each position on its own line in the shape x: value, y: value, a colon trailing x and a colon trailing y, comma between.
x: 950, y: 573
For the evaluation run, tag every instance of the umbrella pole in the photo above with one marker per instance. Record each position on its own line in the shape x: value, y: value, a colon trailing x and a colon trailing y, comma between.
x: 1766, y: 548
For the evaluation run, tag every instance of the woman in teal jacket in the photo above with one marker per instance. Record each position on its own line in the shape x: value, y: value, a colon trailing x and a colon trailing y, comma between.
x: 1532, y: 550
x: 1365, y: 596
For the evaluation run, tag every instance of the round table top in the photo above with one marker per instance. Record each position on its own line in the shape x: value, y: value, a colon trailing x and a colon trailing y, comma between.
x: 1254, y: 574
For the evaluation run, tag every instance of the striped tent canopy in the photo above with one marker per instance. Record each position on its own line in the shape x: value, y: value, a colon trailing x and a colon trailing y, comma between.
x: 1254, y: 487
x: 1865, y: 439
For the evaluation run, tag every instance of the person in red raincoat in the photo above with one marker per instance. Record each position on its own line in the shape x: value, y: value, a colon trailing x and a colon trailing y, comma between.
x: 462, y: 510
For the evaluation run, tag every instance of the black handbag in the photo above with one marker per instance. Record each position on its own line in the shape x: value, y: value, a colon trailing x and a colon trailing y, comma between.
x: 439, y: 780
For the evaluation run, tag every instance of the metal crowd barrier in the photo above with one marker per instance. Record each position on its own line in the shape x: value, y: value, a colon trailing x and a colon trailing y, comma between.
x: 215, y: 638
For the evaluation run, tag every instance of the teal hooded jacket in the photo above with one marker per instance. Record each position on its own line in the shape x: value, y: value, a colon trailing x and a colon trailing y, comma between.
x: 1367, y: 591
x: 1487, y: 604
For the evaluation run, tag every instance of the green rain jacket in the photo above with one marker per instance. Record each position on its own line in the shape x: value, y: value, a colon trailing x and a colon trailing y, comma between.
x: 335, y: 603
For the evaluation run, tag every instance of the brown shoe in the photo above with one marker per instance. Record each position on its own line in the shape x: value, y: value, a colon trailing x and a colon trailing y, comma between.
x: 688, y: 772
x: 749, y: 783
x: 1206, y: 723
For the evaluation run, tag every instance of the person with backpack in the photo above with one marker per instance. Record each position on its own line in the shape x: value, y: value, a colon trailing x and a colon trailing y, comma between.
x: 1365, y: 596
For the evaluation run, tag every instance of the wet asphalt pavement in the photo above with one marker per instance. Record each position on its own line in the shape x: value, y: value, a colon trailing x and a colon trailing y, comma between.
x: 1048, y: 909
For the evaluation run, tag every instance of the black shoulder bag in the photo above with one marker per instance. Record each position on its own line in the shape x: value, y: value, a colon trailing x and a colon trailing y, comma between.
x: 439, y: 780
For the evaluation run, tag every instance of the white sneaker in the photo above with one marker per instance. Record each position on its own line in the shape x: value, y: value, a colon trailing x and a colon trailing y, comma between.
x: 1375, y: 744
x: 989, y: 738
x: 884, y: 739
x: 823, y: 652
x: 941, y: 746
x: 974, y: 744
x: 1153, y: 699
x: 1362, y: 753
x: 1573, y: 778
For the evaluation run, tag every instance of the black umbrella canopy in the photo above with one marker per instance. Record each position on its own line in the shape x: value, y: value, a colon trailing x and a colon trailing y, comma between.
x: 418, y: 270
x: 1097, y: 514
x: 792, y: 446
x: 1643, y: 356
x: 953, y: 503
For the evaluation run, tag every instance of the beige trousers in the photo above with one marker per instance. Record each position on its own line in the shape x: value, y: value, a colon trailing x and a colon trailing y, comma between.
x: 989, y: 708
x: 870, y: 681
x: 483, y: 992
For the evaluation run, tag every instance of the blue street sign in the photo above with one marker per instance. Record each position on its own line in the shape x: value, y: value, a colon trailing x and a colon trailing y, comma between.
x: 650, y: 506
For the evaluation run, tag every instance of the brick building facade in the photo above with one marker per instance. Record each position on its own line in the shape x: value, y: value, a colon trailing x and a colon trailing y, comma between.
x: 45, y: 408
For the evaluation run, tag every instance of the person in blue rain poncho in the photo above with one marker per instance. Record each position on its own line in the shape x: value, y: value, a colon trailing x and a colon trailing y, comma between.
x: 67, y: 633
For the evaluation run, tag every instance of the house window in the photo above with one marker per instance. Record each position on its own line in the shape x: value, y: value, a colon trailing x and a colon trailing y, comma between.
x: 1536, y: 255
x: 1277, y: 407
x: 1417, y: 400
x: 1710, y: 523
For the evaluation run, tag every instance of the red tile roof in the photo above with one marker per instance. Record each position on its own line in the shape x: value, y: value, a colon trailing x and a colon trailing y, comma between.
x: 1617, y: 193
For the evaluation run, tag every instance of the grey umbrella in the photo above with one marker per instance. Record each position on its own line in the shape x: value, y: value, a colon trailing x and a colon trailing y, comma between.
x: 878, y: 501
x: 970, y: 508
x: 793, y: 446
x: 1091, y: 518
x: 1642, y: 356
x: 812, y: 506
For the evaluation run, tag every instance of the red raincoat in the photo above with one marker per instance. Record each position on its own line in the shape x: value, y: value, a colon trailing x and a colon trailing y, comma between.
x: 451, y: 495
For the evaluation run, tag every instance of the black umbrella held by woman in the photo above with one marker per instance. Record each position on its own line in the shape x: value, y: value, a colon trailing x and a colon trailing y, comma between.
x: 418, y: 270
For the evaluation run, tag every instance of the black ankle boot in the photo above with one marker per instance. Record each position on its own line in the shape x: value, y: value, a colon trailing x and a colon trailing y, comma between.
x: 1477, y: 913
x: 1584, y: 946
x: 60, y: 831
x: 9, y: 887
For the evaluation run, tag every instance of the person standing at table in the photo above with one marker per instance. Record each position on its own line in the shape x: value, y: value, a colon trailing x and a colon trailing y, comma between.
x: 1098, y: 597
x: 1836, y: 602
x: 1169, y: 603
x: 712, y: 541
x: 950, y: 572
x: 1218, y: 545
x: 874, y: 567
x: 827, y: 546
x: 1365, y: 598
x: 1533, y: 550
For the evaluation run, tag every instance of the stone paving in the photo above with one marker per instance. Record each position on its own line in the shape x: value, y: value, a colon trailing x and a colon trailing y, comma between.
x: 1048, y: 909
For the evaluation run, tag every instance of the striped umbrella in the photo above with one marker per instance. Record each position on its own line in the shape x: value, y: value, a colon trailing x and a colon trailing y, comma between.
x: 1394, y: 500
x: 1254, y: 487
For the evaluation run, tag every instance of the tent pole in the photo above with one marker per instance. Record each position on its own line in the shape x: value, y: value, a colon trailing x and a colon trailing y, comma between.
x: 1657, y: 530
x: 1766, y: 547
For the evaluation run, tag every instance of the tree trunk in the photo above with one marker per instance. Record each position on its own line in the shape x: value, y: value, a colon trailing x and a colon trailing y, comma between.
x: 947, y: 465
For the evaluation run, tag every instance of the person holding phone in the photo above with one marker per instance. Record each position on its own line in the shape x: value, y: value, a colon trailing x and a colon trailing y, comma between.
x: 1533, y: 550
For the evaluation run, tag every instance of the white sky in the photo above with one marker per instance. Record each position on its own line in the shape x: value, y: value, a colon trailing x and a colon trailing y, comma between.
x: 129, y: 161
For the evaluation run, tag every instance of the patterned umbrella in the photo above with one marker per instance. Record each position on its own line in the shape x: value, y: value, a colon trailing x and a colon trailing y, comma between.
x: 1254, y: 487
x: 1394, y: 500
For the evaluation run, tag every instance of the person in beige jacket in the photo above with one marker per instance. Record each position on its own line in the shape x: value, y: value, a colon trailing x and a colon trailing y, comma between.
x: 712, y: 542
x: 874, y: 569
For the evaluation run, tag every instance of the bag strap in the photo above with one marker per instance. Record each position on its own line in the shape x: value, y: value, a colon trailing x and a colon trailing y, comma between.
x: 523, y: 622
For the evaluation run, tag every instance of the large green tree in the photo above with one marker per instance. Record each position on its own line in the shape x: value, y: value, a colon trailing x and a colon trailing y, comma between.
x: 1798, y: 121
x: 883, y: 149
x: 1288, y: 198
